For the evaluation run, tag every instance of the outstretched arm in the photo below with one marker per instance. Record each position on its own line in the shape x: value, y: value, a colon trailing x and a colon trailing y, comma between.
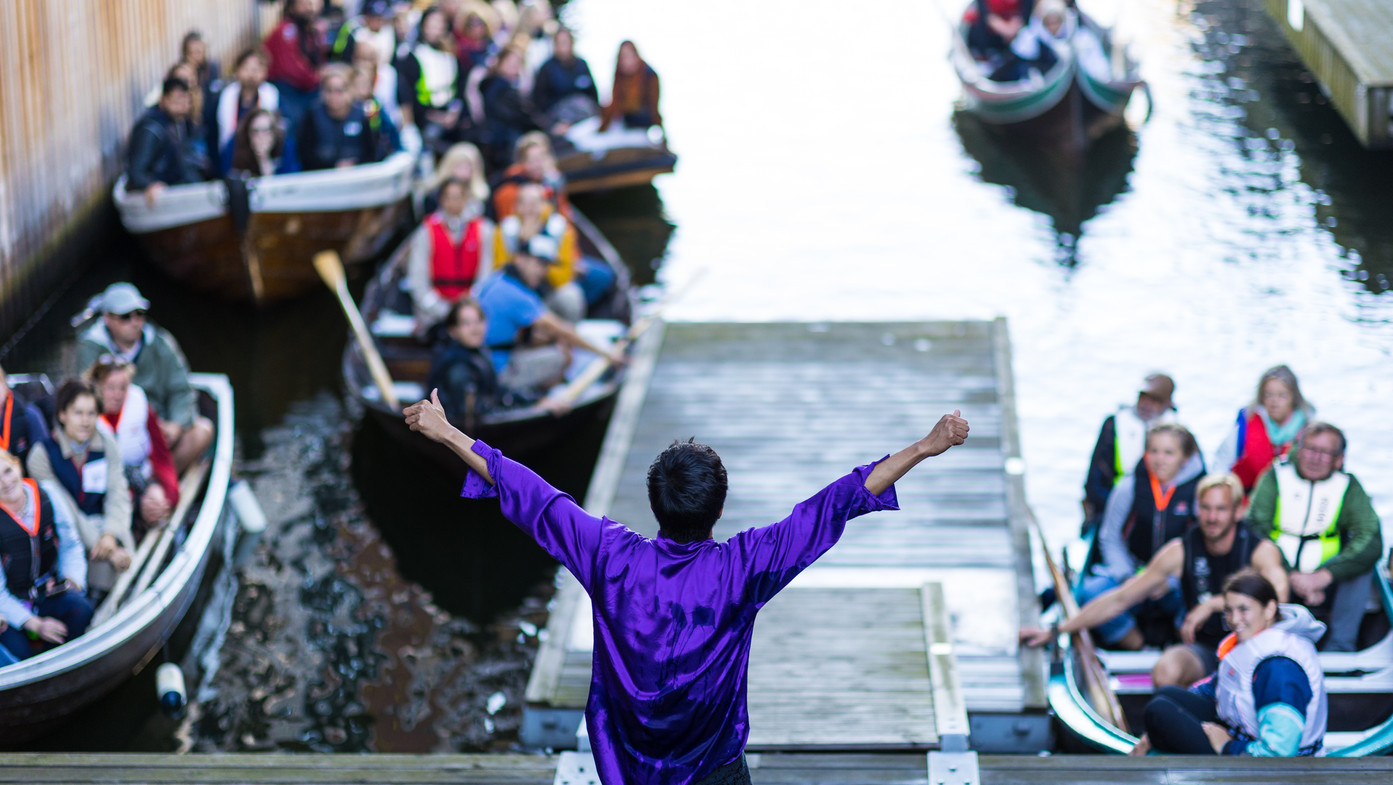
x: 950, y: 430
x: 428, y: 419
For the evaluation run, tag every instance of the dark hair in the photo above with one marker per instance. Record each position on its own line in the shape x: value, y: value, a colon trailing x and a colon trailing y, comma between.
x: 446, y: 41
x: 249, y: 53
x: 72, y: 389
x: 452, y: 317
x: 687, y: 490
x: 172, y: 83
x: 452, y: 181
x: 189, y: 37
x: 243, y: 157
x: 1317, y: 428
x: 1187, y: 439
x: 1250, y: 583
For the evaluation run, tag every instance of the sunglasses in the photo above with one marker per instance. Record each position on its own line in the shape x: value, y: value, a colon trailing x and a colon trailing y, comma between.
x: 126, y: 317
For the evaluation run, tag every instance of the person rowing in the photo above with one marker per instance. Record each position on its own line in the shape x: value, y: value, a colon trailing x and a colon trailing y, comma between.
x: 1200, y: 561
x: 674, y: 614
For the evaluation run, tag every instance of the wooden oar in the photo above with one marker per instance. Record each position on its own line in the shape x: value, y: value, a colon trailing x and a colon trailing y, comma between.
x: 1100, y: 692
x: 597, y: 367
x: 327, y: 264
x: 153, y: 548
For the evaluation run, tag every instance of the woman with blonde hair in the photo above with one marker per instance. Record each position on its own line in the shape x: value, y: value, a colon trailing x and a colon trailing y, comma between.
x: 461, y: 162
x: 1266, y: 428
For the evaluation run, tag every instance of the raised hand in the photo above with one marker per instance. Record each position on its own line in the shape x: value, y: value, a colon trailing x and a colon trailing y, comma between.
x: 950, y: 430
x: 427, y: 418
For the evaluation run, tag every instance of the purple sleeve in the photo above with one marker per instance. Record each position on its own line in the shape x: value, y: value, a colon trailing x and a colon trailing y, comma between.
x: 772, y: 555
x: 552, y: 518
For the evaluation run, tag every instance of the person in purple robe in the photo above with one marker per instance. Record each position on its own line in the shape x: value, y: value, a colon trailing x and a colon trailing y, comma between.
x: 674, y: 615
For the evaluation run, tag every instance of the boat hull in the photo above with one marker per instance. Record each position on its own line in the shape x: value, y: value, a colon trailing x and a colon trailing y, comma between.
x: 37, y: 694
x: 255, y: 242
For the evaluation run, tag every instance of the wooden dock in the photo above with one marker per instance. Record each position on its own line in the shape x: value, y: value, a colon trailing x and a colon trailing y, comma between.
x: 1345, y: 43
x: 765, y: 769
x: 911, y: 608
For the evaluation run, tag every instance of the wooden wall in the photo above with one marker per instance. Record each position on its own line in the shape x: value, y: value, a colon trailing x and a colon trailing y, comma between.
x: 74, y: 75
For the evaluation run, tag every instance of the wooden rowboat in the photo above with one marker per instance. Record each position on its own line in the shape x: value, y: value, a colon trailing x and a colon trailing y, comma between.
x: 520, y: 433
x: 252, y: 240
x: 38, y: 693
x: 1359, y: 686
x: 617, y: 158
x: 1078, y: 100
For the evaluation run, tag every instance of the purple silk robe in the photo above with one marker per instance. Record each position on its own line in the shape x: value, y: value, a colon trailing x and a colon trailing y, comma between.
x: 673, y: 621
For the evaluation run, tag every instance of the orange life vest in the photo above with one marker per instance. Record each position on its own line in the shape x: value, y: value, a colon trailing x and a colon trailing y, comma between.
x: 453, y: 267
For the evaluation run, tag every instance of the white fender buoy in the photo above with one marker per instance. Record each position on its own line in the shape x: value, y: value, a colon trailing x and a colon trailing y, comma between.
x: 244, y: 505
x: 169, y: 687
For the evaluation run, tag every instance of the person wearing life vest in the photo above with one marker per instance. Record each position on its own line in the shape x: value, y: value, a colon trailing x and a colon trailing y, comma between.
x: 160, y: 367
x: 44, y: 569
x: 1268, y: 697
x: 429, y: 85
x: 370, y: 27
x: 82, y: 461
x: 145, y: 456
x: 1326, y: 527
x: 1121, y: 442
x: 1265, y: 429
x: 1148, y: 508
x: 451, y: 254
x: 21, y: 424
x: 1200, y: 560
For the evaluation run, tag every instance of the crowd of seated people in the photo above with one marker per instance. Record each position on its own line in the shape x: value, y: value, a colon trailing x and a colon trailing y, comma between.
x: 458, y: 71
x: 516, y: 261
x: 88, y: 472
x: 1304, y: 522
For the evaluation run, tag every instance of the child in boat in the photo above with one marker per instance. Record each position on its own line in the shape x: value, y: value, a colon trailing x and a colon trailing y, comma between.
x: 674, y: 614
x: 1268, y: 698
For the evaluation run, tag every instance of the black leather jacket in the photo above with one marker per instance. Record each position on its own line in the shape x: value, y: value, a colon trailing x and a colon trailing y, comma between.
x: 159, y: 152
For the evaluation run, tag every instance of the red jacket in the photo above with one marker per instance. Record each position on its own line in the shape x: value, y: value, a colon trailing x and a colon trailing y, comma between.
x: 289, y: 61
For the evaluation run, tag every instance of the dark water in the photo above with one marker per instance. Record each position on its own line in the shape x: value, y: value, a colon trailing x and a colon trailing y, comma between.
x: 824, y: 175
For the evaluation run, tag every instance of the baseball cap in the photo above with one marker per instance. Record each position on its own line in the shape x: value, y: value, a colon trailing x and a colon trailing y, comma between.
x: 1158, y: 386
x: 377, y: 8
x: 120, y: 298
x: 541, y: 247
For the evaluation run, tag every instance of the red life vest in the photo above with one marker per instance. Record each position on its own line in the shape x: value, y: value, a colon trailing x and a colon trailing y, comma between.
x: 1255, y: 451
x: 453, y: 268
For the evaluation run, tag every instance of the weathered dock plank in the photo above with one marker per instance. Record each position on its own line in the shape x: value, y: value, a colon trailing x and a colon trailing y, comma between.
x: 790, y: 407
x: 765, y: 769
x: 1345, y: 44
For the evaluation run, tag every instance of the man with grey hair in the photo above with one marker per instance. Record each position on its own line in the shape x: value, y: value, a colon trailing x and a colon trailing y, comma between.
x: 1326, y: 527
x: 160, y: 368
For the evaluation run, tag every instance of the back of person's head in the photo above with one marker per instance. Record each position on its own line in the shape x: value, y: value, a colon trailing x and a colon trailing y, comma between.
x: 1250, y: 583
x: 687, y: 490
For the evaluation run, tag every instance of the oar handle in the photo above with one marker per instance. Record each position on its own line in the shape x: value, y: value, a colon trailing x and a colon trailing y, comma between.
x: 330, y: 268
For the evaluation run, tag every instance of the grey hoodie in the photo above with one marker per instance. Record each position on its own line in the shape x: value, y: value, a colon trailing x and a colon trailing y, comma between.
x: 1118, y: 561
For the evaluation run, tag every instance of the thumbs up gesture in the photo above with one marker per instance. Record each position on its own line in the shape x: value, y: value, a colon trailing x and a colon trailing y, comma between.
x: 427, y: 417
x: 949, y: 431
